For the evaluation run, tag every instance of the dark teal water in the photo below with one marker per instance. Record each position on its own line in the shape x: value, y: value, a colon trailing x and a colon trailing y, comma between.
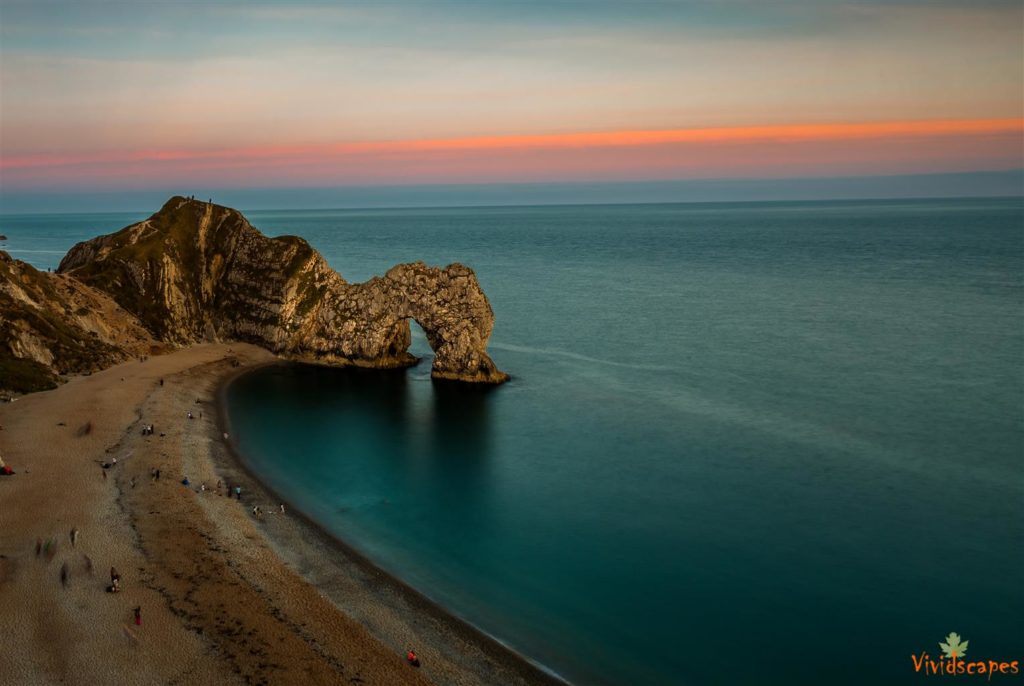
x: 764, y: 443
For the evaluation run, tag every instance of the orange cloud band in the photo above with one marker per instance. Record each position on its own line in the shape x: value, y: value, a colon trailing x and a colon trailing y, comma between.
x: 606, y: 139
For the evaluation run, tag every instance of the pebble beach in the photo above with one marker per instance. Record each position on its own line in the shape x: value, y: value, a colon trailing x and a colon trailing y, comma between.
x: 223, y: 596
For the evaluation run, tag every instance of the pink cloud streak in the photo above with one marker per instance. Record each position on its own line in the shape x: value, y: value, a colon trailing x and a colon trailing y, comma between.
x: 843, y: 148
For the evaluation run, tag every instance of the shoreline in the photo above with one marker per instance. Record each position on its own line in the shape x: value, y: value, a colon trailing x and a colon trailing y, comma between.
x: 224, y: 597
x: 529, y: 671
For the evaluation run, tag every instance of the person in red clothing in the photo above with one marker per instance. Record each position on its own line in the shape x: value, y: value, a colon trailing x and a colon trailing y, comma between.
x: 412, y: 659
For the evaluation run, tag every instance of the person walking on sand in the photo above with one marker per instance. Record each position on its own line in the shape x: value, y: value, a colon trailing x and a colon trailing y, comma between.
x: 138, y: 615
x: 74, y: 537
x: 64, y: 575
x: 238, y: 492
x: 282, y: 508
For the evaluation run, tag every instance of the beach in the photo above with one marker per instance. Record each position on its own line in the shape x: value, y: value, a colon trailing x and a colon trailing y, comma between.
x: 223, y: 595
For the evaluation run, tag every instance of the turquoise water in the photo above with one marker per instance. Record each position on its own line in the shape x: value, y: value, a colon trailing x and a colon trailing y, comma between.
x: 760, y: 443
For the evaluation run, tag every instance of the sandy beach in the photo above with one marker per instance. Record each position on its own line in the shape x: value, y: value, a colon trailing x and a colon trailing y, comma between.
x: 223, y: 596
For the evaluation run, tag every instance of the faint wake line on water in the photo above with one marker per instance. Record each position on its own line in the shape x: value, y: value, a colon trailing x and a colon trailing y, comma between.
x: 577, y: 356
x: 47, y: 252
x: 831, y: 441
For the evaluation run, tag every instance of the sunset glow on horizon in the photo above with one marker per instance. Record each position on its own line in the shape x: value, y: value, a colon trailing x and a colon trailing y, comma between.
x: 683, y: 153
x: 233, y: 95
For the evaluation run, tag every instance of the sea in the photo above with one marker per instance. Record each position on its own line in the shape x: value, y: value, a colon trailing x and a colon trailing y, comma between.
x: 743, y: 443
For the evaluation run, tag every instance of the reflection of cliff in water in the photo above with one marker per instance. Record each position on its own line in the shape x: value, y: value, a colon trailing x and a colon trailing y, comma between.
x: 460, y: 444
x: 440, y: 428
x: 462, y: 422
x: 381, y: 435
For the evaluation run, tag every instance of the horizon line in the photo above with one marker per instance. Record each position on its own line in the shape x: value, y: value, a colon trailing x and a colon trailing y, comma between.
x: 777, y: 201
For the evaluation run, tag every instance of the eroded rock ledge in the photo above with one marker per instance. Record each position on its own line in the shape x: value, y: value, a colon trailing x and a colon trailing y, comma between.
x: 197, y: 272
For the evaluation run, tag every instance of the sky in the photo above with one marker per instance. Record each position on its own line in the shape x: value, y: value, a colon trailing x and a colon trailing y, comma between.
x: 107, y: 98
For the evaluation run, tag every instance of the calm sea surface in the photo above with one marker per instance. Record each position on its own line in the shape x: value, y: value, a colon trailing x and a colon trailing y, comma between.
x: 744, y: 443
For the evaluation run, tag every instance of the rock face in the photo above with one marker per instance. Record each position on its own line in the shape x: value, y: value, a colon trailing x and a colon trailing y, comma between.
x: 200, y: 272
x: 52, y: 325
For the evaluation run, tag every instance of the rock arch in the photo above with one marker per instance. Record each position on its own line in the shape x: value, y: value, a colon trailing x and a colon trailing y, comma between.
x: 196, y: 271
x: 370, y: 321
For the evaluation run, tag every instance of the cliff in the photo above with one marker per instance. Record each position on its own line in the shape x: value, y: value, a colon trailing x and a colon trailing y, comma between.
x: 51, y: 325
x: 200, y: 272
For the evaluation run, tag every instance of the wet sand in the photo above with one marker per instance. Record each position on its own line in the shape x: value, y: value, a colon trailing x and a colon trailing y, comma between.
x: 225, y: 597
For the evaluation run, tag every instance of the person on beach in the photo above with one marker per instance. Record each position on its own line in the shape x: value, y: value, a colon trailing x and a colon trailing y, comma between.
x: 161, y: 382
x: 115, y: 581
x: 64, y: 575
x: 138, y: 615
x: 39, y: 547
x: 238, y: 492
x: 190, y: 414
x: 412, y: 658
x: 282, y: 508
x: 74, y: 537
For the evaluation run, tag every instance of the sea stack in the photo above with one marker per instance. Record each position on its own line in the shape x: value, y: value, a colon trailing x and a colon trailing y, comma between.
x: 198, y: 272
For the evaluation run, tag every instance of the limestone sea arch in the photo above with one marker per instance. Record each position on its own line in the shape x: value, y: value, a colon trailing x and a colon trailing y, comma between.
x: 195, y: 271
